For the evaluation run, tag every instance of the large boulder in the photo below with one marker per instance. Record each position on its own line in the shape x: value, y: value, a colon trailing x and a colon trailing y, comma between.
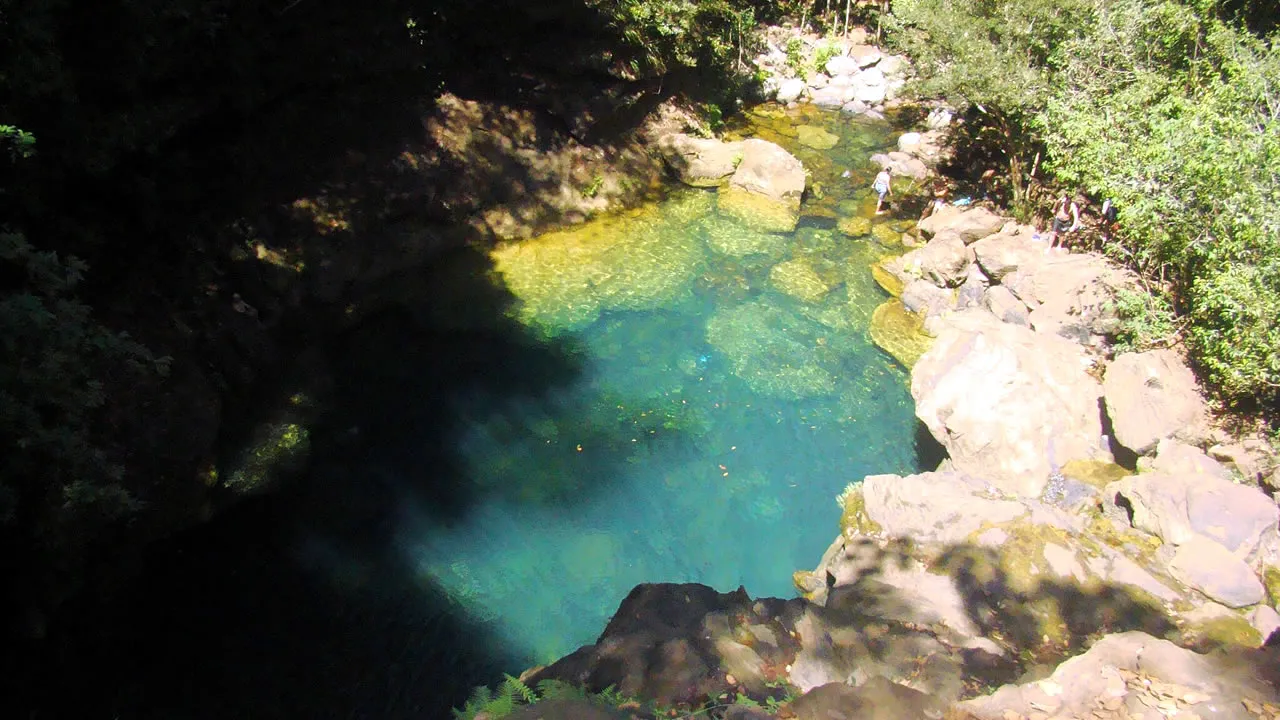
x: 1071, y: 295
x: 1210, y: 568
x: 1131, y: 674
x: 934, y: 507
x: 674, y: 644
x: 1008, y: 404
x: 1003, y: 254
x: 902, y: 164
x: 970, y: 224
x: 1151, y: 396
x: 766, y: 187
x: 700, y: 162
x: 1179, y: 508
x: 790, y: 90
x: 945, y: 260
x: 1005, y: 305
x: 927, y: 299
x: 841, y: 65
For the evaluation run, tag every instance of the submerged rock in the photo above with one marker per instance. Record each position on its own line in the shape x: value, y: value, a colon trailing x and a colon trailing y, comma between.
x: 734, y: 239
x: 817, y: 138
x: 899, y: 332
x: 774, y: 351
x: 766, y: 188
x: 798, y: 280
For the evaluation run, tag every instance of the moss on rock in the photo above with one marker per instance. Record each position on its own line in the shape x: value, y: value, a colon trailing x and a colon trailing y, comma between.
x: 854, y: 226
x: 899, y: 332
x: 775, y: 351
x: 853, y: 513
x: 886, y: 280
x: 815, y: 137
x: 1271, y: 580
x: 758, y: 211
x: 886, y: 235
x: 1223, y: 631
x: 277, y: 448
x: 798, y: 280
x: 1098, y: 473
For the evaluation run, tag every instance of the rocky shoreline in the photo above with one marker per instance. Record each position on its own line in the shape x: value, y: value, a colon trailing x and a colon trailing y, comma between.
x: 1091, y: 546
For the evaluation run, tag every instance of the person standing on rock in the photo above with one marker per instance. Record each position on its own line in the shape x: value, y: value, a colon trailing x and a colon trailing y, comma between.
x: 1066, y: 218
x: 882, y: 187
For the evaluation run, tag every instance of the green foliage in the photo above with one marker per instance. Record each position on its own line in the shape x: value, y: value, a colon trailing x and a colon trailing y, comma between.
x: 795, y: 58
x: 824, y: 53
x: 593, y: 189
x: 21, y: 143
x: 1146, y: 321
x: 51, y: 383
x: 512, y: 693
x: 662, y: 35
x: 1165, y: 107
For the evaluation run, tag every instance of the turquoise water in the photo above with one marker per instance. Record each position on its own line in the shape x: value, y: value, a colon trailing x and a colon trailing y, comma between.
x: 714, y: 419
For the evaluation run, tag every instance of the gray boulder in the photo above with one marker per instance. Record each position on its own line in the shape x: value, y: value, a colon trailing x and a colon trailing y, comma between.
x: 970, y: 224
x: 1119, y: 676
x: 926, y: 299
x: 1008, y: 404
x: 1003, y: 254
x: 700, y: 162
x: 766, y: 169
x: 1180, y: 508
x: 1151, y: 396
x: 1005, y: 305
x: 790, y: 90
x: 841, y: 65
x: 945, y: 260
x: 1206, y: 566
x: 902, y: 164
x: 935, y: 507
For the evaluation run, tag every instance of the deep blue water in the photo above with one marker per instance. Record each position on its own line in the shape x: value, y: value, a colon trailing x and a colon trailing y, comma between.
x: 722, y: 415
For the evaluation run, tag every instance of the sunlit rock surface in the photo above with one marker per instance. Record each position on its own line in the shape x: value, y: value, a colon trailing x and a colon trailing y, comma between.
x: 900, y: 333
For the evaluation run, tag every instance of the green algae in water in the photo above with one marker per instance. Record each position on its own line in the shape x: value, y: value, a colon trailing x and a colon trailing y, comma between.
x: 711, y: 422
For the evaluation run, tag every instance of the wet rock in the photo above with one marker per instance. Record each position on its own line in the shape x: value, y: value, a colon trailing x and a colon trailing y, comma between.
x: 700, y: 162
x: 854, y: 226
x: 1008, y: 404
x: 769, y: 183
x: 1181, y: 507
x: 970, y: 224
x: 899, y: 332
x: 815, y: 137
x: 1210, y: 568
x: 1151, y: 396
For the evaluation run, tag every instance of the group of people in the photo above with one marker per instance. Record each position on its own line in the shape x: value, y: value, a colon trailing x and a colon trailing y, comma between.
x: 1065, y: 215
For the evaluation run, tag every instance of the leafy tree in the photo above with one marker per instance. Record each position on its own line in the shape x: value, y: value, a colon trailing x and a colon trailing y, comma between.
x: 997, y: 57
x: 1175, y: 114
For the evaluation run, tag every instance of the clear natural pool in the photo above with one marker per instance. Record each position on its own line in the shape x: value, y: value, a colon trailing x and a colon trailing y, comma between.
x: 728, y: 391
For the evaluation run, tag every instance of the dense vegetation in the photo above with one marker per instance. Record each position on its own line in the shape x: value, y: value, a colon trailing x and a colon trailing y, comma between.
x: 135, y: 139
x: 1169, y: 107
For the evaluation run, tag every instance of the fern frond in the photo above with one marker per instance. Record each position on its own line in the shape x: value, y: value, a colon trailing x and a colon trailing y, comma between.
x: 516, y: 688
x: 552, y: 689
